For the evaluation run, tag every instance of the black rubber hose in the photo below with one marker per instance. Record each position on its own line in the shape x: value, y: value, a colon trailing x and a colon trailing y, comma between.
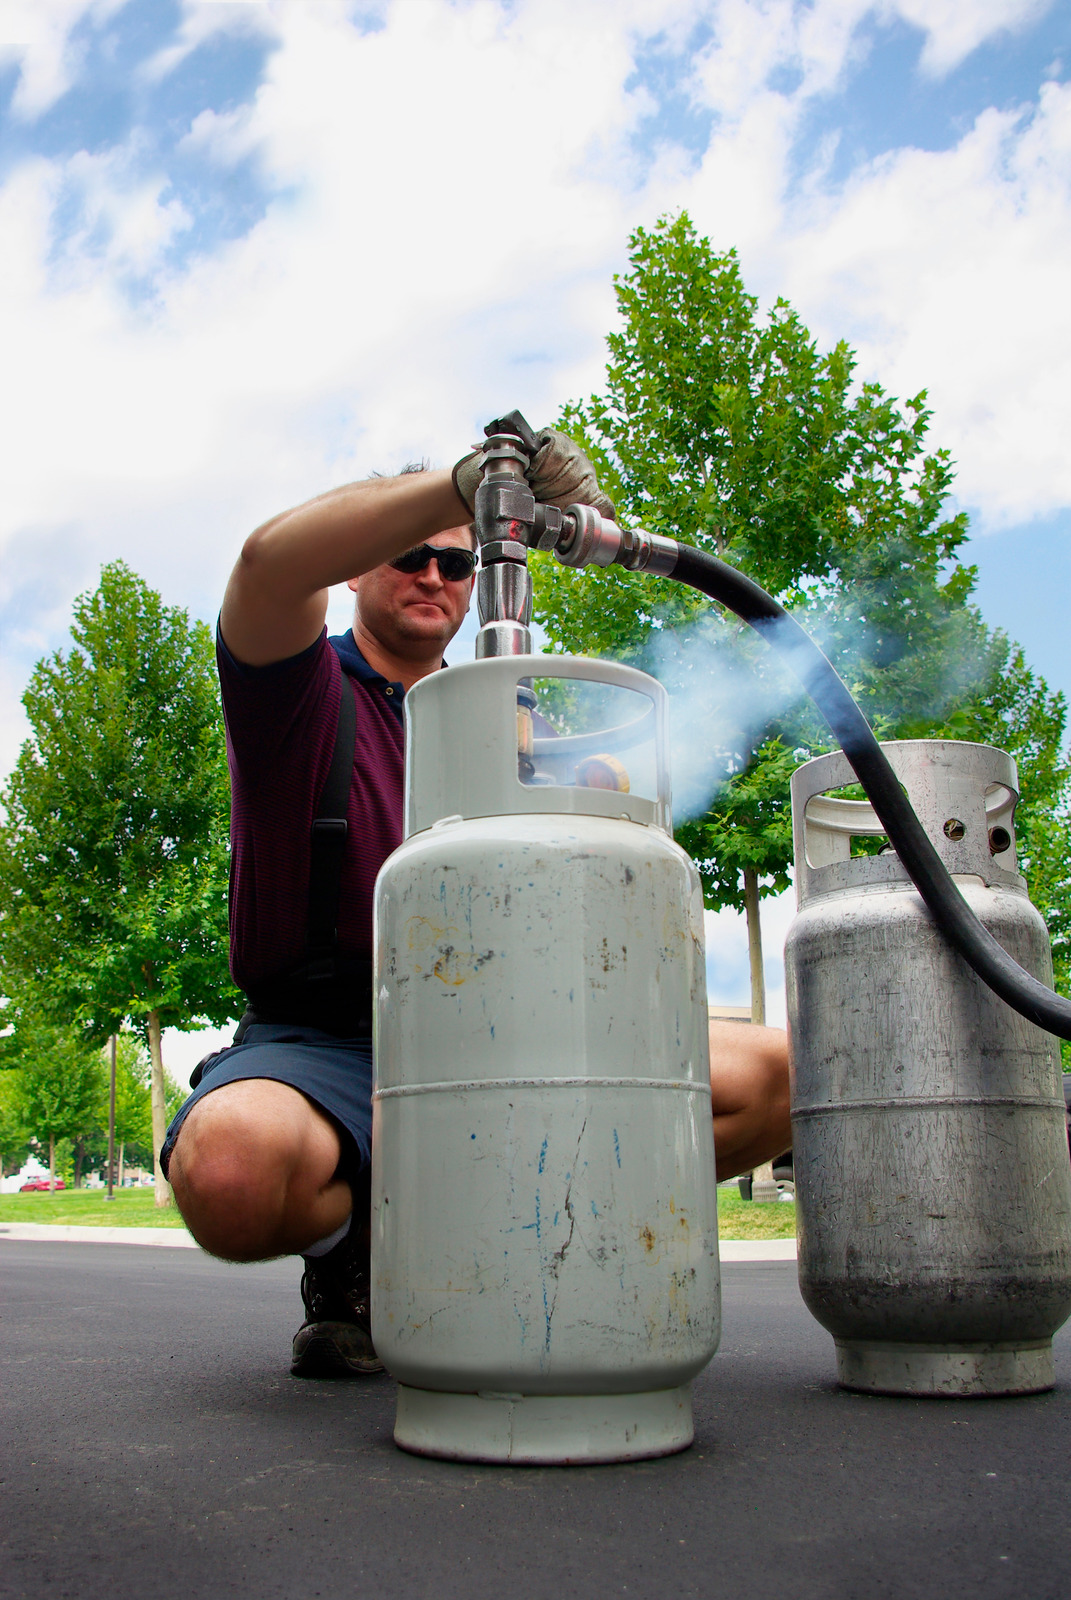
x: 906, y: 834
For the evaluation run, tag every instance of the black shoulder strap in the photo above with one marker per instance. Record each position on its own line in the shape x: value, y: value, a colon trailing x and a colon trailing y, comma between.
x: 329, y: 830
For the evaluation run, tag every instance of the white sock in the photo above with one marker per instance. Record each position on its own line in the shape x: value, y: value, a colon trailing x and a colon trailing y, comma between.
x: 322, y: 1246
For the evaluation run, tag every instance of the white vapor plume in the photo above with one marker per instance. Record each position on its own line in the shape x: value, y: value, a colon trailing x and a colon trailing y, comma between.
x: 724, y: 689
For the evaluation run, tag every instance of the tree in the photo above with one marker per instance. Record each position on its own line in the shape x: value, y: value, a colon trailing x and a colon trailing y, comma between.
x: 113, y: 856
x: 732, y: 431
x: 15, y: 1136
x: 133, y: 1096
x: 133, y: 1099
x: 745, y: 838
x: 1017, y: 712
x: 60, y: 1086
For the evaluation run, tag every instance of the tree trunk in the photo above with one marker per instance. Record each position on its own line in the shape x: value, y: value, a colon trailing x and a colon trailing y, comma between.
x: 122, y: 1153
x: 159, y: 1109
x: 79, y: 1157
x: 754, y: 946
x: 51, y: 1162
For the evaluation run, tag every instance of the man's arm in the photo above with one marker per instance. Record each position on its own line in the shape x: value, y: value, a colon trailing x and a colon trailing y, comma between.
x: 276, y: 598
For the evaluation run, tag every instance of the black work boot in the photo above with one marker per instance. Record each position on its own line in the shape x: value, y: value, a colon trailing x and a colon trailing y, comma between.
x: 335, y: 1340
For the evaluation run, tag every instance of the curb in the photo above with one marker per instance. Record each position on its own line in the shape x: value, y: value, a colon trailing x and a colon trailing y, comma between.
x: 178, y: 1238
x: 757, y: 1249
x: 174, y: 1238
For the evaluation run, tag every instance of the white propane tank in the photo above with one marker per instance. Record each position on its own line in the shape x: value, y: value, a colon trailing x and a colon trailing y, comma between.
x: 545, y: 1277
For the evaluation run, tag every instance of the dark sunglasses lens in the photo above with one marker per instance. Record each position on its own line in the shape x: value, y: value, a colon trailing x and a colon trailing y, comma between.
x: 412, y: 560
x: 454, y: 563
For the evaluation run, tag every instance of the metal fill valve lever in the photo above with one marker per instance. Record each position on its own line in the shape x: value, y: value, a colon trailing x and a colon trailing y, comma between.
x: 510, y: 522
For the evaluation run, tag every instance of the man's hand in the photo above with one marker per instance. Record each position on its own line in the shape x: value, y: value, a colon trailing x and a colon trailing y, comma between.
x: 560, y: 475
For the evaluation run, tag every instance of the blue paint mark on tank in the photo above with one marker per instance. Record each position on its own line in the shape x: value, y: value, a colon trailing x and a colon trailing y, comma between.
x: 594, y: 1209
x: 543, y: 1154
x: 617, y: 1147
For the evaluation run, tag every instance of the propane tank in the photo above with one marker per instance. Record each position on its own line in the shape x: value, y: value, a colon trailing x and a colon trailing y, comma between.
x: 544, y: 1261
x: 932, y: 1180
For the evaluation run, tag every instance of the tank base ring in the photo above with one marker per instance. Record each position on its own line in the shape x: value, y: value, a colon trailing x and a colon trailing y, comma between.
x: 552, y: 1429
x: 953, y: 1371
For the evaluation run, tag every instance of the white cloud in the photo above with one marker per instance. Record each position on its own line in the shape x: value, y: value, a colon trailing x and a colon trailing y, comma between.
x: 954, y: 28
x: 455, y: 190
x: 389, y: 297
x: 37, y: 35
x: 201, y: 20
x: 947, y: 271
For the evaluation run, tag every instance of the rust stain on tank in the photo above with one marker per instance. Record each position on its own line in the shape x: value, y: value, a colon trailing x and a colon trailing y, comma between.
x: 648, y: 1238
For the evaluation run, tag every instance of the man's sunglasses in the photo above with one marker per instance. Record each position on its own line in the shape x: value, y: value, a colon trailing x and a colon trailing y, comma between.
x: 455, y: 562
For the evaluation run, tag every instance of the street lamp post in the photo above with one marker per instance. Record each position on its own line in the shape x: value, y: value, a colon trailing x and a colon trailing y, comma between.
x: 111, y: 1125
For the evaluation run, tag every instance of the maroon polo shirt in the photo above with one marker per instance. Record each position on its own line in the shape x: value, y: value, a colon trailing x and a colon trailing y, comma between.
x: 281, y: 723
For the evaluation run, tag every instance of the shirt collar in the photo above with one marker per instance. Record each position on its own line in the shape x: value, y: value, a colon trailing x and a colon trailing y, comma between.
x: 353, y: 662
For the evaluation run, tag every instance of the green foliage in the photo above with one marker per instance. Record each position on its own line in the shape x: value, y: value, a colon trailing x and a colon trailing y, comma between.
x: 730, y: 430
x: 15, y: 1136
x: 733, y: 432
x: 750, y: 827
x: 175, y: 1096
x: 63, y: 1160
x: 60, y: 1086
x: 113, y: 856
x: 133, y: 1108
x: 1018, y: 713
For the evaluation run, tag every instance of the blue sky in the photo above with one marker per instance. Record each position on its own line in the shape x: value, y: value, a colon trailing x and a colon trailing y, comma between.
x: 246, y: 254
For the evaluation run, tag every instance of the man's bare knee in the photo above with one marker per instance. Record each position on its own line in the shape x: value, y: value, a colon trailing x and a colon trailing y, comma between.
x: 250, y: 1160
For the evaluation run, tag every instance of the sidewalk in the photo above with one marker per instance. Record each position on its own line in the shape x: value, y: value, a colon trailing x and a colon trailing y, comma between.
x: 57, y: 1233
x: 178, y: 1238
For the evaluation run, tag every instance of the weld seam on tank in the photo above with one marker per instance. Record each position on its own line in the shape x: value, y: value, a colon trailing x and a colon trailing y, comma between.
x: 926, y: 1102
x: 404, y: 1089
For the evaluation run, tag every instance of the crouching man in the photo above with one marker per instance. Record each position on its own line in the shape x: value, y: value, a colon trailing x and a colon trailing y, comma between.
x: 270, y: 1154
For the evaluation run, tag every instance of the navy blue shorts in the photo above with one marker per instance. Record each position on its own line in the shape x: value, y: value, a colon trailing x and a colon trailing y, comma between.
x: 335, y: 1074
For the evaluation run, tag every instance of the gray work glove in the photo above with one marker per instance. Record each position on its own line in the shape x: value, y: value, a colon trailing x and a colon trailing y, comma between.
x: 560, y: 475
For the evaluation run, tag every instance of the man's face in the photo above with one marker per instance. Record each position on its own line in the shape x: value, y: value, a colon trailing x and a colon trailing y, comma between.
x: 411, y: 612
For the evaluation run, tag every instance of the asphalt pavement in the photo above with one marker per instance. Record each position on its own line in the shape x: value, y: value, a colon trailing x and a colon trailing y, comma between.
x: 152, y: 1442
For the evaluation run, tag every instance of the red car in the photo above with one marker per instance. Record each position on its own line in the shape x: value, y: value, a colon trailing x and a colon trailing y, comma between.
x: 32, y: 1185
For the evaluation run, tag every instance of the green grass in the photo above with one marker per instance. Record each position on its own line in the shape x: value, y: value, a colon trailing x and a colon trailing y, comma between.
x: 90, y: 1208
x: 744, y: 1219
x: 134, y: 1208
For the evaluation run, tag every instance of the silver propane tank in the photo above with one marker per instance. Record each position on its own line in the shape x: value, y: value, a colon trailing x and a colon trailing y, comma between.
x: 932, y: 1173
x: 544, y: 1259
